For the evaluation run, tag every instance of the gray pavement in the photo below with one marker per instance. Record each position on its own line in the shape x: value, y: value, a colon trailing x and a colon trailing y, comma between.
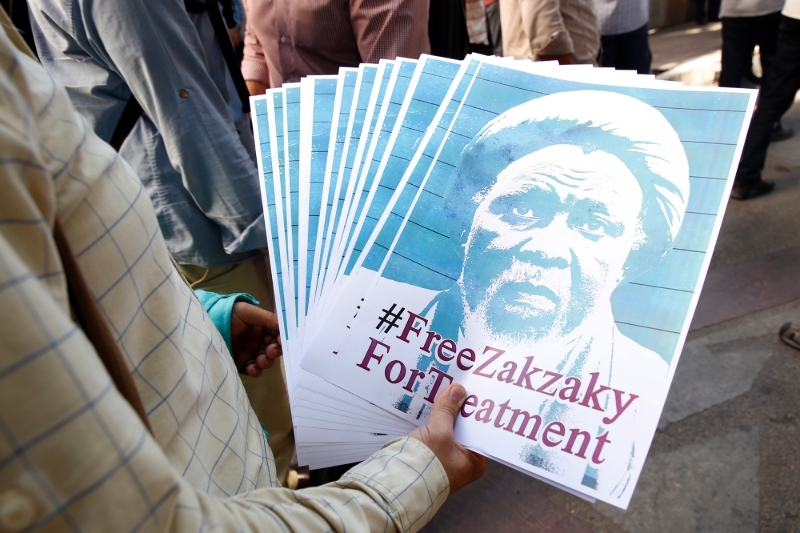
x: 726, y: 456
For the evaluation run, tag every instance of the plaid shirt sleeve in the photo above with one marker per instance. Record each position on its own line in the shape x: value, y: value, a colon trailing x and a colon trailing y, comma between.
x: 73, y: 454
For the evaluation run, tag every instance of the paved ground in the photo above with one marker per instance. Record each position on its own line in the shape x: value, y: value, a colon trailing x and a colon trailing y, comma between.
x: 680, y: 44
x: 726, y: 457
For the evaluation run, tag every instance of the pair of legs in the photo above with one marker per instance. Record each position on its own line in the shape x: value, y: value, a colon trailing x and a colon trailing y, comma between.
x: 740, y: 36
x: 268, y: 394
x: 627, y: 51
x: 702, y: 15
x: 778, y: 89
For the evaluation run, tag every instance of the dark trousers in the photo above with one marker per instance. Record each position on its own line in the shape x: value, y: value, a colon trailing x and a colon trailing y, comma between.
x: 704, y: 16
x: 778, y: 89
x: 740, y: 35
x: 493, y: 27
x: 627, y: 51
x: 447, y: 29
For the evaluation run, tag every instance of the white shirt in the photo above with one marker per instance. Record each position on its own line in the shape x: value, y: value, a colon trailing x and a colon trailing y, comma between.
x: 792, y: 9
x: 621, y: 16
x: 749, y: 8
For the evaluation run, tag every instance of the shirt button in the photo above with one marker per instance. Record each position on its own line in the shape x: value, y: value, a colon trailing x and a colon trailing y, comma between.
x: 17, y: 511
x: 183, y: 93
x: 283, y: 39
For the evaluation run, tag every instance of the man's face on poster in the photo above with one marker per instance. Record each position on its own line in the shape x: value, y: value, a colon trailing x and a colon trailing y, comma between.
x: 549, y: 241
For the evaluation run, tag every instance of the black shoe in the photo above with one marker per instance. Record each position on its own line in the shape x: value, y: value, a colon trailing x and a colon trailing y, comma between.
x: 780, y: 133
x: 790, y: 335
x: 747, y: 191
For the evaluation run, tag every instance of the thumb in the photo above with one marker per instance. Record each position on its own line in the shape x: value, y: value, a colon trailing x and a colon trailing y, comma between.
x: 445, y: 408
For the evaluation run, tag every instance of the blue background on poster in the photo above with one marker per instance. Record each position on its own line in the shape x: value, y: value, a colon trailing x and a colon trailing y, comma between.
x: 651, y: 308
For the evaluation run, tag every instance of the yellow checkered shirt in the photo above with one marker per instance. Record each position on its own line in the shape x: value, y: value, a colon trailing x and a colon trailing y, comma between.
x: 73, y: 454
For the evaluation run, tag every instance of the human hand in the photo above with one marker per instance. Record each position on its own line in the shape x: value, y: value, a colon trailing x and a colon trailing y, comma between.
x: 563, y: 59
x: 461, y: 465
x: 255, y: 341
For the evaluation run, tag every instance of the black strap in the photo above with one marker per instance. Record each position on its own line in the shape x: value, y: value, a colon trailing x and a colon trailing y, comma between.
x: 132, y: 111
x: 224, y: 40
x: 227, y: 13
x: 17, y: 10
x: 130, y: 115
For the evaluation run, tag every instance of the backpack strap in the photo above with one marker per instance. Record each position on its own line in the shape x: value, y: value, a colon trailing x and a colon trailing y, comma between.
x: 128, y: 119
x: 225, y: 44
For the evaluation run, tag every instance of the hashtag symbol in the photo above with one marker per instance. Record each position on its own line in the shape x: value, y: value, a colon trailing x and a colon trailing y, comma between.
x: 389, y: 318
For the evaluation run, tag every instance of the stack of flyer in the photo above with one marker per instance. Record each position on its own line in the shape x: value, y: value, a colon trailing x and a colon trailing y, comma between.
x: 537, y: 233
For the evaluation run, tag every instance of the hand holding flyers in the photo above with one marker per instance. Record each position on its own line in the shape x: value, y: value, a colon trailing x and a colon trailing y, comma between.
x: 462, y: 466
x: 255, y: 342
x: 536, y: 233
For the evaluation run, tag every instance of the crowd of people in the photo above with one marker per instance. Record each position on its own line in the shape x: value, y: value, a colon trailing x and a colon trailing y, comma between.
x: 141, y: 364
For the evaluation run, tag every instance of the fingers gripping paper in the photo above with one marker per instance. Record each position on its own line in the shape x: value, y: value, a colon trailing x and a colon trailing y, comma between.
x: 539, y: 234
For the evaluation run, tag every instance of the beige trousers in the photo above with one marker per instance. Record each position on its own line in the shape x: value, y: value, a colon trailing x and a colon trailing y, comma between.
x: 268, y: 394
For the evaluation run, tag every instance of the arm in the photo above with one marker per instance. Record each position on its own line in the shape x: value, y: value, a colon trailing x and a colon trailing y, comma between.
x: 254, y: 63
x: 545, y: 29
x: 249, y: 332
x: 77, y: 437
x: 220, y: 308
x: 100, y: 454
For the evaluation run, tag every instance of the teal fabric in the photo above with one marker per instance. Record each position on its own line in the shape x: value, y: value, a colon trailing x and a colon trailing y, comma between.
x: 220, y: 307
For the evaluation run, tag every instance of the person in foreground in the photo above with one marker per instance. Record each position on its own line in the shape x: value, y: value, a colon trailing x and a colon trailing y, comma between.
x: 73, y: 452
x: 191, y: 144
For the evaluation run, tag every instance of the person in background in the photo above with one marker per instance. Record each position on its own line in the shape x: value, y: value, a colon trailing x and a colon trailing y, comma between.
x: 447, y: 29
x: 233, y: 13
x: 176, y: 447
x: 190, y: 142
x: 623, y: 25
x: 783, y: 84
x: 703, y: 15
x: 288, y: 39
x: 460, y: 27
x: 778, y: 89
x: 493, y: 26
x: 563, y: 30
x: 745, y: 25
x: 477, y: 27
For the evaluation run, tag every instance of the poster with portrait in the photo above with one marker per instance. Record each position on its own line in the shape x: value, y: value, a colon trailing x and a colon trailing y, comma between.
x: 548, y: 256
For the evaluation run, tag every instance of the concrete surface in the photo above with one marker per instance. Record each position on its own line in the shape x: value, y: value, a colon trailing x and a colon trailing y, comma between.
x: 709, y: 486
x: 769, y: 224
x: 726, y: 456
x: 711, y: 372
x: 687, y: 53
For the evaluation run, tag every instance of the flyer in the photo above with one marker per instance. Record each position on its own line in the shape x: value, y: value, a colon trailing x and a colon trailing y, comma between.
x: 536, y: 233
